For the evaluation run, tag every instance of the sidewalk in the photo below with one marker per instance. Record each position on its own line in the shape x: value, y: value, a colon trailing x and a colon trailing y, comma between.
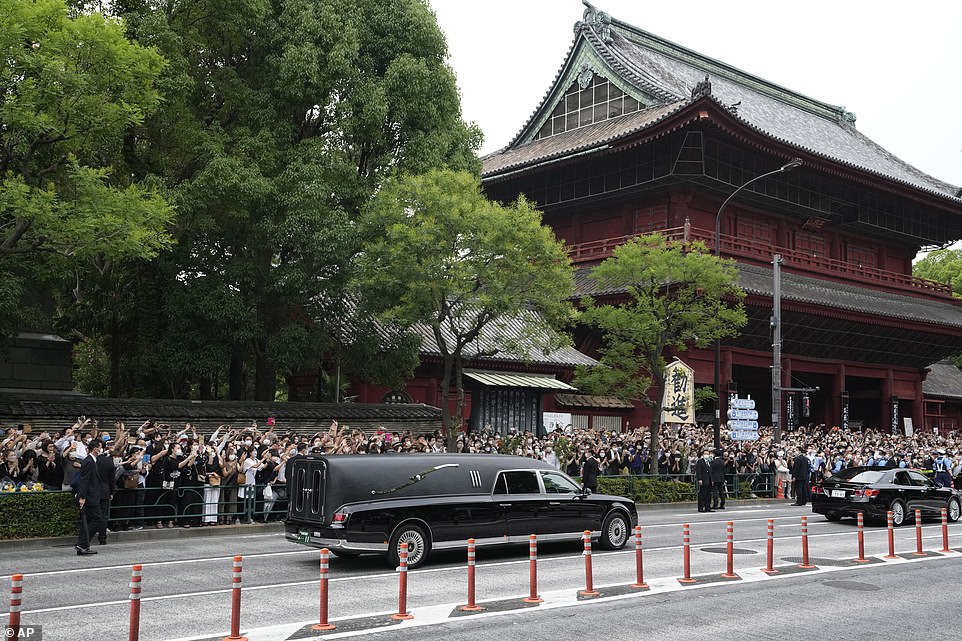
x: 147, y: 534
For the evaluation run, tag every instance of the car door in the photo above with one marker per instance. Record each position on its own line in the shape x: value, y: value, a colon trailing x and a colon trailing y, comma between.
x: 930, y: 499
x: 567, y: 512
x: 908, y: 491
x: 518, y: 495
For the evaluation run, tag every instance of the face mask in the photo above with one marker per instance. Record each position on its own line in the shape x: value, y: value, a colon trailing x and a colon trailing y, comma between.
x: 267, y: 441
x: 248, y: 442
x: 177, y: 452
x: 232, y: 457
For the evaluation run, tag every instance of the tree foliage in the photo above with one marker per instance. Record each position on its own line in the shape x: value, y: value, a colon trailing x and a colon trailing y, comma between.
x: 281, y: 119
x: 674, y: 295
x: 442, y: 256
x: 944, y: 266
x: 72, y: 87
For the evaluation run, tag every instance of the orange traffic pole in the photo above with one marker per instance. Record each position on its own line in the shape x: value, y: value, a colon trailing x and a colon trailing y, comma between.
x: 237, y: 581
x: 805, y: 565
x: 533, y: 571
x: 918, y: 534
x: 891, y: 529
x: 639, y: 562
x: 135, y: 579
x: 325, y: 566
x: 770, y: 556
x: 471, y: 606
x: 686, y: 548
x: 730, y: 545
x: 861, y: 540
x: 945, y: 532
x: 402, y: 597
x: 16, y: 603
x: 589, y: 587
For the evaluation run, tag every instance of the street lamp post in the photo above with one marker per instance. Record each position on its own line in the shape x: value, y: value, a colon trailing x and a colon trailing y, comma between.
x: 790, y: 165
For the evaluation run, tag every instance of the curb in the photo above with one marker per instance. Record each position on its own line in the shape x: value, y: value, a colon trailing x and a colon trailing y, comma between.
x: 147, y: 534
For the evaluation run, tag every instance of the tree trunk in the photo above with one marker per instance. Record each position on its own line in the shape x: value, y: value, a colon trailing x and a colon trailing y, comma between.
x: 205, y: 389
x: 235, y: 383
x: 114, y: 356
x: 459, y: 385
x: 445, y: 396
x: 265, y: 375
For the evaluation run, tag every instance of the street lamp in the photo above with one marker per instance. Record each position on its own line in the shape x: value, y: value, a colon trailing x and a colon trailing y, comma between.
x: 790, y: 165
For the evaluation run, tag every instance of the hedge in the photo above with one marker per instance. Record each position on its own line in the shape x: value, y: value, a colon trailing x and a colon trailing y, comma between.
x: 34, y: 514
x: 647, y: 490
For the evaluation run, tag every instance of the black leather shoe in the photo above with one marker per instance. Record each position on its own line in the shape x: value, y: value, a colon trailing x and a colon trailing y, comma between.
x: 103, y: 542
x: 85, y: 551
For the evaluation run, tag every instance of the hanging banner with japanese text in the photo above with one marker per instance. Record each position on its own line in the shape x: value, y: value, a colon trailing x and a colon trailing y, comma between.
x: 678, y: 398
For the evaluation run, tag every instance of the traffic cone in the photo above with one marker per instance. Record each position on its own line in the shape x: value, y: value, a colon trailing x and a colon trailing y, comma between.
x: 779, y: 490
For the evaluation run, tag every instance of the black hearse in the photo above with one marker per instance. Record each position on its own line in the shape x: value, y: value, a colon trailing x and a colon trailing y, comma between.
x: 355, y: 504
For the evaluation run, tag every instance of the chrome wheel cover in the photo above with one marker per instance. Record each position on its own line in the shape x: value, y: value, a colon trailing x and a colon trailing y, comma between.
x: 898, y: 513
x: 415, y: 541
x: 953, y: 510
x: 617, y: 531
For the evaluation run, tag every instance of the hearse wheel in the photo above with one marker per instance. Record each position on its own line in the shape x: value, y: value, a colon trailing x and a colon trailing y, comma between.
x: 418, y: 545
x: 615, y: 532
x: 953, y: 510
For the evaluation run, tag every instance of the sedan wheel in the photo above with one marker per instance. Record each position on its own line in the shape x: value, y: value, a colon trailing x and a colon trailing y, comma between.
x: 898, y: 512
x: 833, y: 517
x: 953, y: 510
x: 614, y: 533
x: 418, y: 546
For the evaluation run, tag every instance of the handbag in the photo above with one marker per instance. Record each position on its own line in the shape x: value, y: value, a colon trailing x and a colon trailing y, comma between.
x: 268, y: 492
x: 131, y: 482
x: 213, y: 479
x: 241, y: 478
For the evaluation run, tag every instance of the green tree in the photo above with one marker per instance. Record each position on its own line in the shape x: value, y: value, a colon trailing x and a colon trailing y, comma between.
x: 281, y: 119
x: 443, y: 257
x: 675, y: 295
x: 944, y: 266
x: 71, y: 88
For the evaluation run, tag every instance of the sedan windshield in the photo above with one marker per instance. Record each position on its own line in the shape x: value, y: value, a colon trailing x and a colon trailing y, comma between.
x: 856, y: 475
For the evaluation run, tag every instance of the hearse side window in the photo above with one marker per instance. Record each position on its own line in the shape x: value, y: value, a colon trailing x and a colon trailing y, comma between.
x: 517, y: 483
x: 555, y: 483
x: 902, y: 478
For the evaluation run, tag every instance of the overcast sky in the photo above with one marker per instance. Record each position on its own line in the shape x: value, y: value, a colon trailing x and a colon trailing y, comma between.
x: 894, y: 64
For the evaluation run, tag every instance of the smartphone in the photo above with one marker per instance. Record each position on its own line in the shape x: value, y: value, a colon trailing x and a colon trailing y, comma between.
x: 146, y: 458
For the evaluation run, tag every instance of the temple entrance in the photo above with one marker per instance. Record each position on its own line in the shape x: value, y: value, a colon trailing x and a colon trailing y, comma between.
x: 865, y: 402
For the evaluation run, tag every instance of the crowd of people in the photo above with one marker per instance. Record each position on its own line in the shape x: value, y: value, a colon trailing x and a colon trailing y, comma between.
x: 164, y: 477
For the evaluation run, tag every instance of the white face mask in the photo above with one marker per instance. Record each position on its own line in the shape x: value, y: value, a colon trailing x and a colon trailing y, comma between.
x: 177, y: 452
x: 267, y: 441
x: 248, y: 442
x: 232, y: 457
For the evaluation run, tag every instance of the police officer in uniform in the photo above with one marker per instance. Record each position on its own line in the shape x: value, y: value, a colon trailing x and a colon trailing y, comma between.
x: 943, y: 469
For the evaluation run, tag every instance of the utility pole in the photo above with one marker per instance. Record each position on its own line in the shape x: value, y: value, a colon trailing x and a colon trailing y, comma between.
x: 776, y: 323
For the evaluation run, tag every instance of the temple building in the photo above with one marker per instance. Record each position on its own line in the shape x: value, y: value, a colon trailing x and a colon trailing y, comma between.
x: 638, y: 134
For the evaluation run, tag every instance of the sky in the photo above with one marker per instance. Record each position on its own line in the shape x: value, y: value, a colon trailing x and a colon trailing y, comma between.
x: 894, y: 64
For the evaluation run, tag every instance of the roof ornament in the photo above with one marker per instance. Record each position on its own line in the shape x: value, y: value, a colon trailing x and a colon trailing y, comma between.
x: 846, y: 116
x: 734, y: 107
x: 703, y: 88
x: 585, y: 76
x: 599, y: 21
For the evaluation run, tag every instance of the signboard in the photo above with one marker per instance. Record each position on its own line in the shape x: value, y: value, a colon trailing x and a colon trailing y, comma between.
x: 844, y: 411
x: 895, y: 414
x: 743, y: 419
x: 554, y: 420
x: 909, y: 428
x: 678, y: 398
x: 790, y: 412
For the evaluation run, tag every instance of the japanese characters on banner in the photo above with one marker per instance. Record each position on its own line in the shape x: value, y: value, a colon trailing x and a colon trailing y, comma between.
x: 678, y: 398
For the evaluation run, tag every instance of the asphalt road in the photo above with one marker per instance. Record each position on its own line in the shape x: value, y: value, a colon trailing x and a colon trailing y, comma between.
x: 186, y: 586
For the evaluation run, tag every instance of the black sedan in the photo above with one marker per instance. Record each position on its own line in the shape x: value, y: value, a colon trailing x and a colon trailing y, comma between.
x: 874, y: 491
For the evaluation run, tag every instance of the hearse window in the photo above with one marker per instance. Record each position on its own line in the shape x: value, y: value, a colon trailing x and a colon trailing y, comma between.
x: 554, y: 483
x: 517, y: 483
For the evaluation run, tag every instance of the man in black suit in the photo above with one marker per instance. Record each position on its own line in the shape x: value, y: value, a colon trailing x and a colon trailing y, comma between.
x: 590, y: 471
x: 107, y: 476
x: 87, y: 489
x: 703, y: 478
x: 801, y: 472
x: 718, y: 481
